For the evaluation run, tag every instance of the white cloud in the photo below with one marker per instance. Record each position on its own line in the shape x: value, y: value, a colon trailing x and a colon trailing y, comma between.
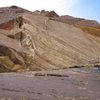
x: 60, y: 6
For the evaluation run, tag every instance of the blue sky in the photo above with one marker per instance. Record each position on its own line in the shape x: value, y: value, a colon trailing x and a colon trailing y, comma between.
x: 88, y: 9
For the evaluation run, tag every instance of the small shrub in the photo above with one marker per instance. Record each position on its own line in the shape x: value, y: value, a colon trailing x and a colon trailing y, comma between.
x: 14, y: 7
x: 92, y: 30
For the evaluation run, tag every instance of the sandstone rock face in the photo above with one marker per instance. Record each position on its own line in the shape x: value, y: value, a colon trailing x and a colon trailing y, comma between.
x: 31, y: 41
x: 52, y: 14
x: 77, y: 22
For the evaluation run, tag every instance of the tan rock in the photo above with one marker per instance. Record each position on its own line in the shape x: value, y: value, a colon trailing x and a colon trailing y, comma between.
x: 37, y: 42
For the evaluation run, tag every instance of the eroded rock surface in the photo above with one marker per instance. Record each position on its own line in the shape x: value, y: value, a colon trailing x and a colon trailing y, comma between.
x: 16, y: 46
x: 33, y: 41
x: 70, y: 84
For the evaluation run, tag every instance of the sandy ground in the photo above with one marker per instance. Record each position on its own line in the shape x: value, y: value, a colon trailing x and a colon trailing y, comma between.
x: 68, y: 84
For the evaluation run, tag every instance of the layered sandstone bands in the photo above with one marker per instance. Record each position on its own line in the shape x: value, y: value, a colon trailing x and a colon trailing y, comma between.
x: 33, y: 41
